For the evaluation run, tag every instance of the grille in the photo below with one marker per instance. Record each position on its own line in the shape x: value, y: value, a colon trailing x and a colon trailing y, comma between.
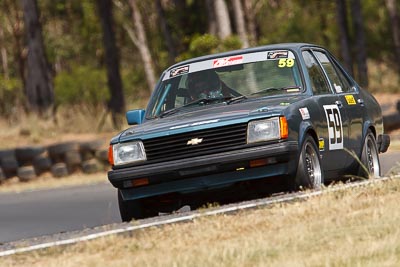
x: 214, y: 140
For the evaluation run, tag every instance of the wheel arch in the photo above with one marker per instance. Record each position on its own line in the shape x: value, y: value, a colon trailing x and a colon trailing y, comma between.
x: 305, y: 129
x: 368, y: 125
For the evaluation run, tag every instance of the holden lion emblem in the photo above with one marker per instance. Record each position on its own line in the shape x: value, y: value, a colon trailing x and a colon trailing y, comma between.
x: 194, y: 141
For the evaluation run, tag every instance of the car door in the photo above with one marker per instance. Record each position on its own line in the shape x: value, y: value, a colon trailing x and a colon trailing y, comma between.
x: 350, y: 100
x: 333, y: 128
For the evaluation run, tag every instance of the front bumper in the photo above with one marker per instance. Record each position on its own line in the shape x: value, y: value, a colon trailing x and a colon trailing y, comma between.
x: 207, y: 172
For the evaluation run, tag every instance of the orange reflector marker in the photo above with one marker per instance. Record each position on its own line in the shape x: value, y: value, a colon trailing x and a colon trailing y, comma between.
x: 110, y: 155
x: 258, y: 163
x: 140, y: 182
x: 284, y: 128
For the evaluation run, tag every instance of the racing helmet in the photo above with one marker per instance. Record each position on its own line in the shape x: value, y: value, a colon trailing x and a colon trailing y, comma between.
x: 204, y: 84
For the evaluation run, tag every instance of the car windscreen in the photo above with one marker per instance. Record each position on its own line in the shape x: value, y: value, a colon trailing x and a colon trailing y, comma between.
x: 224, y: 80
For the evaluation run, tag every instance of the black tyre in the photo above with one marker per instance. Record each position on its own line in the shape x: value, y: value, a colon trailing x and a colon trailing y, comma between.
x: 41, y: 163
x: 91, y: 146
x: 8, y: 161
x: 129, y: 210
x: 7, y: 153
x: 9, y: 166
x: 370, y: 158
x: 57, y: 151
x: 26, y: 173
x: 59, y: 170
x: 2, y: 175
x: 91, y: 166
x: 25, y: 155
x: 309, y: 173
x: 102, y: 155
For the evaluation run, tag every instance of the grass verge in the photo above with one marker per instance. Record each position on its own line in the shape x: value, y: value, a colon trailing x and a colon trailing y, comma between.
x: 358, y: 227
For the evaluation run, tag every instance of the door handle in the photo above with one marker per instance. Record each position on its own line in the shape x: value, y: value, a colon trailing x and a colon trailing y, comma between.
x: 360, y: 101
x: 339, y: 103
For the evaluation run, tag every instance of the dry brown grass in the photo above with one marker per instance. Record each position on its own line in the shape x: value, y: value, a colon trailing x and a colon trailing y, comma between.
x: 350, y: 228
x: 77, y: 124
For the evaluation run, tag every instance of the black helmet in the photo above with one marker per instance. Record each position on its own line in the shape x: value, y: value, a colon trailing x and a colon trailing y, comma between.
x: 203, y: 82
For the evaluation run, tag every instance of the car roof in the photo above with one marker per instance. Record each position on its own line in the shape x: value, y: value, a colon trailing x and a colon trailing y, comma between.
x: 289, y: 46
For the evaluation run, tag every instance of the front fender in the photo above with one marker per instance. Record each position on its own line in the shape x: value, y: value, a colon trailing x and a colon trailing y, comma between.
x: 306, y: 128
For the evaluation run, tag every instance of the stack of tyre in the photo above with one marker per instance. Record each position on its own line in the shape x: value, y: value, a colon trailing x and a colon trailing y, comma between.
x: 61, y: 159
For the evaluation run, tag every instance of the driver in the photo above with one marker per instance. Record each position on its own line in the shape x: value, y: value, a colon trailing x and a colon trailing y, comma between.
x: 204, y: 84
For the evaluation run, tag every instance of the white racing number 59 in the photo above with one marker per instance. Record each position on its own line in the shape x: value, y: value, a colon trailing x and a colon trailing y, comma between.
x: 335, y: 128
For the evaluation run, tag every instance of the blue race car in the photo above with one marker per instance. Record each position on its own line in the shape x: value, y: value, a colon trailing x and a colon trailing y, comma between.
x: 285, y: 112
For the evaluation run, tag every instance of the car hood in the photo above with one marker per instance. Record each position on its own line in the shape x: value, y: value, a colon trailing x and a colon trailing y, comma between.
x: 211, y: 115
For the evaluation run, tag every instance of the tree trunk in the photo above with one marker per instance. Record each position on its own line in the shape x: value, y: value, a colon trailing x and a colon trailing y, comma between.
x: 212, y: 20
x: 395, y: 26
x: 341, y: 15
x: 142, y: 45
x: 4, y: 57
x: 15, y: 22
x: 223, y: 20
x: 360, y: 43
x: 38, y: 85
x: 240, y: 22
x: 116, y: 104
x: 172, y: 53
x: 251, y: 21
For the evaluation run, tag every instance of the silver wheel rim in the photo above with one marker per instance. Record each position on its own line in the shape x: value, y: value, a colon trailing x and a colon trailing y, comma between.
x: 313, y: 167
x: 372, y: 160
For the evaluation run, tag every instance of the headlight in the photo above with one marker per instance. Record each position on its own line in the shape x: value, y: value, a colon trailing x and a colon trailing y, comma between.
x: 128, y: 152
x: 265, y: 130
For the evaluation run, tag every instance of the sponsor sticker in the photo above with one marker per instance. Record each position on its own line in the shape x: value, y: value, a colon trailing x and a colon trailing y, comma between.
x: 350, y: 99
x: 321, y: 144
x: 277, y: 54
x: 179, y: 71
x: 227, y: 61
x: 305, y: 114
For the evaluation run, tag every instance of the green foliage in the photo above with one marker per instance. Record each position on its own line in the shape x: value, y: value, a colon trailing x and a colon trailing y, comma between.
x: 133, y: 85
x: 11, y: 94
x: 81, y: 85
x: 203, y: 44
x: 207, y: 44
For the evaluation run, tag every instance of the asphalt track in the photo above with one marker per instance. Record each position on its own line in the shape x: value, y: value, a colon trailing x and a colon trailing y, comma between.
x: 44, y: 212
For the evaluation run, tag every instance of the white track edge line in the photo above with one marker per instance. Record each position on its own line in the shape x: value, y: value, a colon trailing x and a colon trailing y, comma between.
x: 193, y: 216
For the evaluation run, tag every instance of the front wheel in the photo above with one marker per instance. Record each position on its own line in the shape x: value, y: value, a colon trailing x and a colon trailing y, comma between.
x: 370, y: 165
x: 309, y: 173
x: 129, y: 209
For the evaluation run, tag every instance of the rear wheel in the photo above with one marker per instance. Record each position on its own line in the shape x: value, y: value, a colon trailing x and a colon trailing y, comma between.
x: 309, y: 173
x: 129, y: 209
x: 369, y: 158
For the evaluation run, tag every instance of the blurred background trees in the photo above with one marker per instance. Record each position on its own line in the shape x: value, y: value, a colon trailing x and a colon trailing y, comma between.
x: 104, y: 56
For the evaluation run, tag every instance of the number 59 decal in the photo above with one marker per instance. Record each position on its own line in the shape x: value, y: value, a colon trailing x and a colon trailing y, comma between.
x: 335, y: 128
x: 286, y: 62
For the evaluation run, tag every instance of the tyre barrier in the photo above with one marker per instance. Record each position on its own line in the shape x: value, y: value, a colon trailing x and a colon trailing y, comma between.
x: 60, y: 160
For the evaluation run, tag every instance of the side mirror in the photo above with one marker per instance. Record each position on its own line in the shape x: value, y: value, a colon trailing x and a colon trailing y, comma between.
x: 135, y: 116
